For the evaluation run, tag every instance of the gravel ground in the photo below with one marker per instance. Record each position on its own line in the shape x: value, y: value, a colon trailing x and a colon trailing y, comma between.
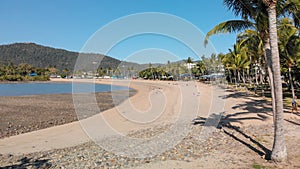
x: 228, y: 147
x: 90, y: 155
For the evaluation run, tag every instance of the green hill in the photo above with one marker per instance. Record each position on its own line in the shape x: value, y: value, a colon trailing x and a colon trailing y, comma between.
x: 42, y: 56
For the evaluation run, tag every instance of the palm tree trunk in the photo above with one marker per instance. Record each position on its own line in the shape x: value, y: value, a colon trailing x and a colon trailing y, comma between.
x: 239, y: 76
x: 279, y: 152
x: 230, y: 75
x: 256, y: 77
x: 261, y: 78
x: 234, y: 76
x: 268, y: 57
x: 249, y: 76
x: 291, y: 82
x: 243, y: 77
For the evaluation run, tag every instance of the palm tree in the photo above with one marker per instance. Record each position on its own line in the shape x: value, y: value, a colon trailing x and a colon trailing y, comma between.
x: 254, y: 16
x: 292, y: 8
x: 253, y: 44
x: 201, y: 69
x: 279, y: 152
x: 239, y: 61
x: 226, y: 61
x: 189, y: 63
x: 263, y: 13
x: 289, y: 47
x: 212, y: 63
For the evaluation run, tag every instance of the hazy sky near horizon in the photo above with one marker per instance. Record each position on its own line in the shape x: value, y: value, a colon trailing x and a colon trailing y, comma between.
x: 69, y: 24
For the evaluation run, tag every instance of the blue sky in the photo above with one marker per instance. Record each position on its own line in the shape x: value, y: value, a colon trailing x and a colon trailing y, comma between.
x: 69, y: 24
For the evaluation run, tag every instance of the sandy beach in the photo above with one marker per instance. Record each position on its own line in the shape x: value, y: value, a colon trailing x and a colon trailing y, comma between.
x: 154, y: 109
x: 74, y: 133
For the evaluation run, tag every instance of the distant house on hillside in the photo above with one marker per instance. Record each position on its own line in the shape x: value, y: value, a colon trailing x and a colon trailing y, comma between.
x: 190, y: 65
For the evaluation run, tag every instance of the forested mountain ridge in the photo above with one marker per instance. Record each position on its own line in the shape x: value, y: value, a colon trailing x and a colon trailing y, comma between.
x: 42, y: 56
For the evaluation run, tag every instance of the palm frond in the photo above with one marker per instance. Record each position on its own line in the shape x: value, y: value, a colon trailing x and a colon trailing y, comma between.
x: 241, y: 7
x: 292, y: 8
x: 228, y: 27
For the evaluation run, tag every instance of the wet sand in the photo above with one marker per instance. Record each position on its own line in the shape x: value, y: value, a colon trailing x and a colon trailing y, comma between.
x: 22, y: 114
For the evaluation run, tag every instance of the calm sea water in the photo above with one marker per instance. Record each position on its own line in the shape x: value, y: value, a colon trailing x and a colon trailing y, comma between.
x: 22, y: 89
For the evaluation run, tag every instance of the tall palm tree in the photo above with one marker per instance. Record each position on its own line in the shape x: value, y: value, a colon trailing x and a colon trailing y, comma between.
x: 238, y: 61
x: 289, y: 47
x: 279, y: 152
x: 212, y: 63
x: 226, y: 61
x: 189, y: 63
x: 201, y: 67
x: 253, y: 44
x: 264, y: 16
x: 254, y: 16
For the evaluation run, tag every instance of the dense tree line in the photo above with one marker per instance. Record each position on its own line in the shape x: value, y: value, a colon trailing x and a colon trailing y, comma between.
x: 155, y: 73
x: 25, y: 72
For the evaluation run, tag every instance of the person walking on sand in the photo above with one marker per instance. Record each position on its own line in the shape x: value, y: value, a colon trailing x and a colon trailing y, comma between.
x: 294, y: 104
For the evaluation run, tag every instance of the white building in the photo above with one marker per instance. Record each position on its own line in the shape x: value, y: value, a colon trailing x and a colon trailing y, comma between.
x: 190, y: 65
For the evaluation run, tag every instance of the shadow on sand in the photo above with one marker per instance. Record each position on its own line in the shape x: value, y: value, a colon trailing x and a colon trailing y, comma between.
x: 290, y: 121
x: 251, y: 109
x: 26, y: 162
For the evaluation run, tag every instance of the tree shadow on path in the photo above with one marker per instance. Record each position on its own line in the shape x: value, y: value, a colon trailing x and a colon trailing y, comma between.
x: 26, y: 162
x: 251, y: 109
x: 292, y: 122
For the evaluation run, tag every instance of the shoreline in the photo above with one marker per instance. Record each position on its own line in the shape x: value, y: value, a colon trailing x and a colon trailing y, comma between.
x: 23, y: 114
x: 48, y: 110
x: 59, y: 137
